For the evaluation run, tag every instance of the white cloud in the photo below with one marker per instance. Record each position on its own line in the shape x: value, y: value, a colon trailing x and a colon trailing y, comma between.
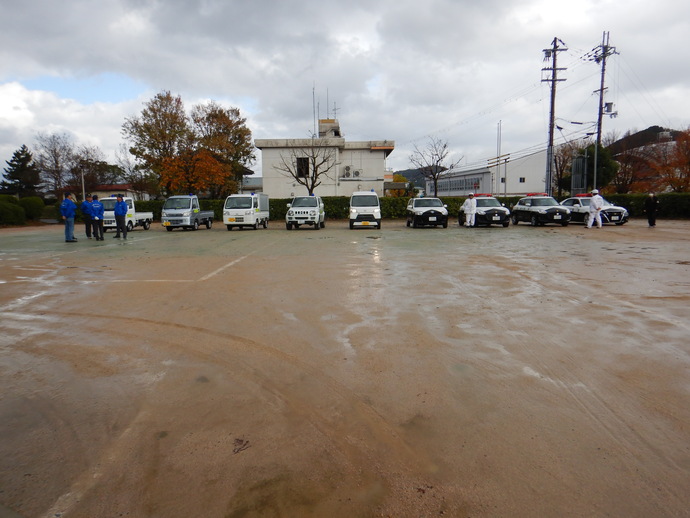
x: 395, y: 69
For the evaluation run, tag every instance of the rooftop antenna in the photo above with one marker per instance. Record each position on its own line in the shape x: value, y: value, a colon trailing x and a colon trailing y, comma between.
x: 313, y: 105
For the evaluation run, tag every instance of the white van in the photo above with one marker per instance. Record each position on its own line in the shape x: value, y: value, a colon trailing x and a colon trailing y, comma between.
x: 246, y: 210
x: 365, y: 209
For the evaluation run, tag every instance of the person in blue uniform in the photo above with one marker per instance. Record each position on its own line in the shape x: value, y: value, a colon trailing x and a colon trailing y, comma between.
x: 85, y: 209
x: 97, y: 211
x: 121, y: 217
x: 68, y: 210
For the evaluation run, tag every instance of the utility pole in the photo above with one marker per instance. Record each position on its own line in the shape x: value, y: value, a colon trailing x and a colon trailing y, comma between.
x: 602, y: 52
x: 552, y: 54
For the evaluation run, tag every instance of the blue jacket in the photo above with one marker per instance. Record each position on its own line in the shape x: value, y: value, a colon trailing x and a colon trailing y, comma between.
x: 68, y: 208
x: 121, y: 208
x: 97, y: 209
x: 85, y: 208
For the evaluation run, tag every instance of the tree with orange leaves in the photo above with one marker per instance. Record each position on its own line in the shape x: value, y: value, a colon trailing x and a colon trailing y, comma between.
x: 203, y: 152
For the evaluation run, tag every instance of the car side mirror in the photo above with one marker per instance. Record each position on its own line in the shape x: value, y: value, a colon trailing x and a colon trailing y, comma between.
x: 289, y: 205
x: 445, y: 206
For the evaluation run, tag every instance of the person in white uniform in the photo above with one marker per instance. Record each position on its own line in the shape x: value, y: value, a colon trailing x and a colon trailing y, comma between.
x: 469, y: 207
x: 595, y: 206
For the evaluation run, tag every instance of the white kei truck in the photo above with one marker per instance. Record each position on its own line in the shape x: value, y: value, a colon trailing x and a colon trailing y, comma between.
x: 184, y: 212
x: 246, y: 210
x: 133, y: 219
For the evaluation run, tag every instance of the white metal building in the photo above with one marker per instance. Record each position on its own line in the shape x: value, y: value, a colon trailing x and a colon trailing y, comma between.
x: 356, y: 166
x: 504, y: 177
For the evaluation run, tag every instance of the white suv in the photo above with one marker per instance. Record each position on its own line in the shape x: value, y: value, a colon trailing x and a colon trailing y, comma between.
x: 365, y: 209
x: 305, y: 210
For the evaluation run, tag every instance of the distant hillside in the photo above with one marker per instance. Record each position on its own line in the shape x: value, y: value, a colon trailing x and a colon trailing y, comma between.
x: 642, y: 138
x: 414, y: 176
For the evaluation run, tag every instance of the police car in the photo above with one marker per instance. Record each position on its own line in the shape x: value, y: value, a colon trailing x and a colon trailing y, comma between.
x: 427, y: 212
x: 489, y: 212
x: 538, y: 208
x: 579, y: 209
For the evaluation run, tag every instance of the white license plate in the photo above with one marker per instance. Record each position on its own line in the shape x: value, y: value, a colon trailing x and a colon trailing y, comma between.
x: 496, y: 218
x: 615, y: 217
x: 557, y: 216
x: 432, y: 218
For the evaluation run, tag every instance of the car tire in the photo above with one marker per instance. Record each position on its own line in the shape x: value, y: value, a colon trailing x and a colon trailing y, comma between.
x: 169, y: 229
x: 506, y: 223
x: 209, y: 223
x: 352, y: 225
x: 146, y: 225
x: 408, y: 222
x: 445, y: 225
x: 195, y: 226
x: 534, y: 221
x: 378, y: 226
x: 565, y: 223
x: 229, y: 227
x: 515, y: 219
x: 288, y: 226
x: 130, y: 226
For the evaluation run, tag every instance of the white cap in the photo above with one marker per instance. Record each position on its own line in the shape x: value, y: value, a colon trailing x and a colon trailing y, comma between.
x: 595, y: 191
x: 471, y: 194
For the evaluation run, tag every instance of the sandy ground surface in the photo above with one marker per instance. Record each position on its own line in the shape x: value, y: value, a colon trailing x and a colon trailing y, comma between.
x: 337, y: 373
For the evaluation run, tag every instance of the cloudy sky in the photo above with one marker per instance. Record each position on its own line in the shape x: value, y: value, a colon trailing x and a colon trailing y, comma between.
x: 403, y: 70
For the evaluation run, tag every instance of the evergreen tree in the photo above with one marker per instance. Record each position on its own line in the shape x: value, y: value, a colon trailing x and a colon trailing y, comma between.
x: 22, y: 176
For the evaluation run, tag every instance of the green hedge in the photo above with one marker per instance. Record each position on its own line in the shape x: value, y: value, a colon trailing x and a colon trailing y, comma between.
x: 33, y: 207
x: 671, y: 205
x: 8, y: 198
x: 11, y: 214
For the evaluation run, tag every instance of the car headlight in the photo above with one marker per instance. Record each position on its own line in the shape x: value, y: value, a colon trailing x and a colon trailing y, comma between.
x: 567, y: 211
x: 290, y: 213
x: 480, y: 212
x: 541, y: 211
x: 312, y: 213
x: 186, y: 214
x: 248, y: 213
x: 164, y: 214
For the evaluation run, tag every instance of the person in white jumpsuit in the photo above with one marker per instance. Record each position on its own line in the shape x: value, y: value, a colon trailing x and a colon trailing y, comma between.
x: 469, y: 207
x: 595, y: 206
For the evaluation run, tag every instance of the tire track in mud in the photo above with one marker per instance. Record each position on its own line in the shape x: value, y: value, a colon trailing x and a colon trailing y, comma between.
x: 595, y: 407
x: 351, y: 440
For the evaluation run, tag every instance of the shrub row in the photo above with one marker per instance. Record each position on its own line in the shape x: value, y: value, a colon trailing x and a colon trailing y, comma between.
x: 15, y: 211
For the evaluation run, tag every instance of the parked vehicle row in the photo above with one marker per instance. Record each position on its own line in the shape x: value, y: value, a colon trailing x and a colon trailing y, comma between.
x: 252, y: 210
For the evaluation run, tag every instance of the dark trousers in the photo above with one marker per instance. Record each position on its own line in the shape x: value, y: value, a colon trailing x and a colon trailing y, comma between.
x: 121, y: 224
x: 651, y: 218
x: 97, y: 226
x: 87, y: 225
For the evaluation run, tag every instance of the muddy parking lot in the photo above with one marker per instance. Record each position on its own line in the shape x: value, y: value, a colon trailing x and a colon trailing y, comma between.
x: 346, y: 373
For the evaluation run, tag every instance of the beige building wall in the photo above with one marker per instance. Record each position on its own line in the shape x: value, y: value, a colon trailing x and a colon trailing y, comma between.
x: 356, y: 166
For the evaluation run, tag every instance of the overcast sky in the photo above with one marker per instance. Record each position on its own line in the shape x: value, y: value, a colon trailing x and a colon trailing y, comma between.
x: 401, y: 70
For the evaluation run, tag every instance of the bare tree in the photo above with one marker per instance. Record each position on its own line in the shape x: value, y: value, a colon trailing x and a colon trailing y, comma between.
x: 308, y: 165
x: 55, y: 159
x: 430, y: 160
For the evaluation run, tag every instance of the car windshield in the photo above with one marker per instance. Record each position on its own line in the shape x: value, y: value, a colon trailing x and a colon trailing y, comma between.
x: 488, y: 202
x: 304, y: 201
x: 544, y: 202
x: 240, y: 202
x: 365, y: 200
x: 428, y: 202
x: 177, y: 203
x: 108, y: 203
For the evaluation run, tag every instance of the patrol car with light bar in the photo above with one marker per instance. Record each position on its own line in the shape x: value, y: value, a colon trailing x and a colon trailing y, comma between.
x: 538, y: 208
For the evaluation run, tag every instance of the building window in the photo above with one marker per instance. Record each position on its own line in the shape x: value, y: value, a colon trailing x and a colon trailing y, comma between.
x: 302, y: 167
x: 503, y: 180
x: 522, y: 179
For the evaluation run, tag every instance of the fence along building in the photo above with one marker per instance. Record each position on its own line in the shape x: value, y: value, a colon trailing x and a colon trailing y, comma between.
x: 509, y: 177
x: 355, y: 166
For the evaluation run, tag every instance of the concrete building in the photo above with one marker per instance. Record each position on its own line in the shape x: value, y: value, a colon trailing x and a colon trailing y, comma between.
x: 350, y: 166
x: 507, y: 177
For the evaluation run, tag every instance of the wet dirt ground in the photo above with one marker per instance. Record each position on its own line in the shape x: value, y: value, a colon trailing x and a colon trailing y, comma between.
x: 337, y: 373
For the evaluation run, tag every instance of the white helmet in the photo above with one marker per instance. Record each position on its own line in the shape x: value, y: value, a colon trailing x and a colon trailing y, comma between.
x: 595, y: 191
